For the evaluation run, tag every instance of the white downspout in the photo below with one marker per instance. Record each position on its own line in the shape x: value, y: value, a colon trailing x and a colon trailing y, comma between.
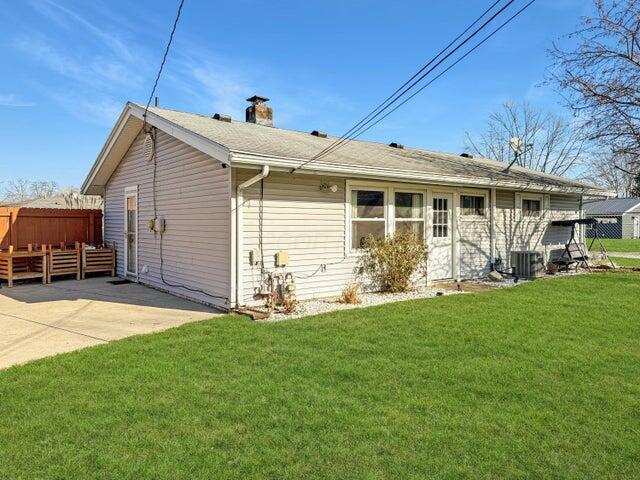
x: 239, y: 228
x: 492, y: 228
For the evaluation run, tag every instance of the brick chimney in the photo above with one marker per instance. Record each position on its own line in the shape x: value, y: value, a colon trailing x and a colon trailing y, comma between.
x: 258, y: 112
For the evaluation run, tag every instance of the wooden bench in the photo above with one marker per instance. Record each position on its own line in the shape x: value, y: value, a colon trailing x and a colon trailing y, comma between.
x: 63, y: 261
x: 23, y: 264
x: 95, y: 260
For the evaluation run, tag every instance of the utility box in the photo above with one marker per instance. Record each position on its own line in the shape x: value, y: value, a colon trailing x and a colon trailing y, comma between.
x: 282, y: 258
x: 160, y: 225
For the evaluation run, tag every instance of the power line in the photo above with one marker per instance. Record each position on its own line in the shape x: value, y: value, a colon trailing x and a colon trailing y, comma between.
x: 336, y: 144
x: 164, y: 59
x: 504, y: 24
x: 358, y: 128
x: 422, y: 69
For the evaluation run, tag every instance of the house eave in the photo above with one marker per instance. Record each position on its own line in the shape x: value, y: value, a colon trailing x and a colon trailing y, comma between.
x: 107, y: 160
x: 247, y: 159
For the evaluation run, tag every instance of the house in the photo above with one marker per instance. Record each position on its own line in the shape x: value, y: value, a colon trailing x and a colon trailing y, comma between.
x: 66, y: 201
x: 626, y: 212
x: 213, y: 209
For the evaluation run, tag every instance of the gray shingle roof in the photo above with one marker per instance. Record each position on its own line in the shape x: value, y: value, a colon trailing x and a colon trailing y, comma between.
x: 612, y: 206
x: 280, y: 143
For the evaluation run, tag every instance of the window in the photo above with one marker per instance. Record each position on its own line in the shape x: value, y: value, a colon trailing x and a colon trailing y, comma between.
x: 472, y: 205
x: 409, y: 213
x: 367, y: 216
x: 440, y: 217
x: 531, y: 207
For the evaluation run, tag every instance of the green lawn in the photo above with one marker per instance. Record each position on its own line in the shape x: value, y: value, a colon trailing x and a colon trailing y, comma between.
x: 618, y: 244
x: 538, y: 381
x: 626, y: 262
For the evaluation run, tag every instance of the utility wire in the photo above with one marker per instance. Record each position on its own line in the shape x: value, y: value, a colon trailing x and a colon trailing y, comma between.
x: 424, y: 67
x: 339, y: 143
x: 411, y: 83
x: 155, y: 165
x: 504, y: 24
x: 164, y: 59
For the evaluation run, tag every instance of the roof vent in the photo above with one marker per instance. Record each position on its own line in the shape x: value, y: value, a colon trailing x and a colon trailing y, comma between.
x: 319, y: 134
x: 466, y: 155
x: 222, y: 118
x: 396, y: 145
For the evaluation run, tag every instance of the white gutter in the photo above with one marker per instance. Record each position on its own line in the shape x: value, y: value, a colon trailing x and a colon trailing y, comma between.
x: 239, y: 227
x: 241, y: 159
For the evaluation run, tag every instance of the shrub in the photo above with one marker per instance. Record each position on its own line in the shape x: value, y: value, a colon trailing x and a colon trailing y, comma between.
x: 392, y: 261
x: 289, y: 304
x: 350, y: 294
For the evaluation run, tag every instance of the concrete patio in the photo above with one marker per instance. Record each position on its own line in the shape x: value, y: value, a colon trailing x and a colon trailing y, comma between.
x: 41, y: 320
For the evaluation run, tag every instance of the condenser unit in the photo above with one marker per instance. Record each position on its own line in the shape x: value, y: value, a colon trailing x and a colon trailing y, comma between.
x: 528, y: 264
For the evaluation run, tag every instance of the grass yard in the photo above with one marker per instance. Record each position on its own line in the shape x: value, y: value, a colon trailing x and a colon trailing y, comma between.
x: 537, y: 381
x: 618, y: 244
x: 626, y: 262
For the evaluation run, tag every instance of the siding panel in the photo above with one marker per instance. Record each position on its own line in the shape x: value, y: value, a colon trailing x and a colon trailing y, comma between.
x: 311, y: 225
x: 193, y: 195
x: 515, y: 232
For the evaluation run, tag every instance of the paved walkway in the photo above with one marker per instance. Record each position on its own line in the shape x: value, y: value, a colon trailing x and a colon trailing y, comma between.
x: 625, y: 254
x: 40, y: 320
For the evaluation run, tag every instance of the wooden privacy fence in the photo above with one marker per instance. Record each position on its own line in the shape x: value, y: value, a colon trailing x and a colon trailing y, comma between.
x: 44, y: 226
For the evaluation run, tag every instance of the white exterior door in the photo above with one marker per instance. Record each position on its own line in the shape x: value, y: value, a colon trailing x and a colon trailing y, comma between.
x: 636, y: 227
x: 131, y: 231
x: 441, y: 245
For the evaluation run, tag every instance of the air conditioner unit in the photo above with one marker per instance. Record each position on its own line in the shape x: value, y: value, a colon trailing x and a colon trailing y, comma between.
x: 528, y: 264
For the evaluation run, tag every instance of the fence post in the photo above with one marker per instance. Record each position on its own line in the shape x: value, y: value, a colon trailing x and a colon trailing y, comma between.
x: 92, y: 228
x: 13, y: 231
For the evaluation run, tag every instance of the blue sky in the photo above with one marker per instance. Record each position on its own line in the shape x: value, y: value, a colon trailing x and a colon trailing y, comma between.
x: 69, y: 66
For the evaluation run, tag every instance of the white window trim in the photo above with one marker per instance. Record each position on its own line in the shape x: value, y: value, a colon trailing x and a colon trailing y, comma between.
x: 393, y: 219
x: 389, y: 203
x: 349, y: 225
x: 131, y: 191
x: 529, y: 196
x: 474, y: 193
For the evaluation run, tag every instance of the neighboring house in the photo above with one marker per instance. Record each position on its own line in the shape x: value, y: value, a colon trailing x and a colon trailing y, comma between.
x: 73, y: 201
x: 625, y: 210
x: 225, y: 194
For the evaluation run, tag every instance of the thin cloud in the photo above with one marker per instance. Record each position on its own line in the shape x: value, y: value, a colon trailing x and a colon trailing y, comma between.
x: 12, y: 100
x: 98, y: 71
x: 101, y: 111
x: 61, y: 15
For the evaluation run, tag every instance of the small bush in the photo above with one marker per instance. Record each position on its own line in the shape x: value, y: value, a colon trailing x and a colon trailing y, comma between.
x: 351, y: 294
x: 289, y: 304
x: 392, y: 261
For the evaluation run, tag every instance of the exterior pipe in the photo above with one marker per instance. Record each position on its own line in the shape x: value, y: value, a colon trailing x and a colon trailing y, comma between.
x: 239, y: 228
x: 492, y: 228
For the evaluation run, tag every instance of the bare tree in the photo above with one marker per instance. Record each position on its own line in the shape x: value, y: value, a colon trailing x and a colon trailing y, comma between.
x: 17, y: 190
x: 21, y: 189
x: 603, y: 171
x: 599, y: 75
x: 43, y: 189
x: 553, y: 145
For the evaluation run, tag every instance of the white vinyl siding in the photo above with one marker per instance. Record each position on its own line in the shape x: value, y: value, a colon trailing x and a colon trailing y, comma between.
x: 627, y: 227
x: 514, y: 231
x: 474, y: 233
x: 306, y: 221
x: 193, y: 195
x: 312, y: 224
